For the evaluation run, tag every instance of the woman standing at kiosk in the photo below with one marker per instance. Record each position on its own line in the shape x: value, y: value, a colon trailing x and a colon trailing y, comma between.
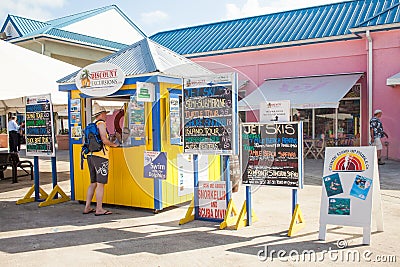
x: 98, y: 165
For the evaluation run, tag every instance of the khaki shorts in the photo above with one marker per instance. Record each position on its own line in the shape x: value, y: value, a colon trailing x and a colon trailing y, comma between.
x: 377, y: 142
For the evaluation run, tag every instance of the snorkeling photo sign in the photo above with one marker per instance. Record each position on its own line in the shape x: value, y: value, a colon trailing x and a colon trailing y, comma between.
x: 350, y: 190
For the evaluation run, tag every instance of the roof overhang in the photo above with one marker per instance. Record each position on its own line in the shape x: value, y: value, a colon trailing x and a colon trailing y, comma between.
x: 62, y: 40
x: 384, y: 27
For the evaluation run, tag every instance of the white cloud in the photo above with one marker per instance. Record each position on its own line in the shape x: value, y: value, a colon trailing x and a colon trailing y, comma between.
x: 250, y: 8
x: 153, y: 17
x: 36, y: 9
x: 254, y: 8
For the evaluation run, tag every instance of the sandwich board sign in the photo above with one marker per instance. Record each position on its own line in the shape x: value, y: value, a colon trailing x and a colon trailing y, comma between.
x: 271, y: 154
x: 39, y: 126
x: 350, y: 190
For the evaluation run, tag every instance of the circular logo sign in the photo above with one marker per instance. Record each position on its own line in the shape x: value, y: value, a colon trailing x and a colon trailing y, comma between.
x: 100, y: 79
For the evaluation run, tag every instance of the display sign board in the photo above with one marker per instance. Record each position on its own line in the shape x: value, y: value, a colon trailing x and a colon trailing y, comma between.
x: 212, y: 199
x: 210, y: 114
x: 75, y: 118
x: 39, y: 126
x: 175, y: 119
x: 136, y: 119
x: 350, y: 183
x: 145, y: 92
x: 278, y: 111
x: 100, y: 79
x: 271, y: 154
x: 155, y: 164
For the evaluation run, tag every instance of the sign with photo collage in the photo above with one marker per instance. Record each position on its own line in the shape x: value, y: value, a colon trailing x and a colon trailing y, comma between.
x: 75, y: 118
x: 210, y: 114
x: 175, y: 119
x: 271, y: 154
x: 136, y: 121
x: 350, y: 183
x: 39, y: 126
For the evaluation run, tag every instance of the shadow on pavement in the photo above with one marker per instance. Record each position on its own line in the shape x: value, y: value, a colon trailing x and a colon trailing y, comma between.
x: 276, y: 250
x: 63, y: 214
x: 6, y: 185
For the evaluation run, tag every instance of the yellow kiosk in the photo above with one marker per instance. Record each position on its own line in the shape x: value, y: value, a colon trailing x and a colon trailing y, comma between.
x: 147, y: 79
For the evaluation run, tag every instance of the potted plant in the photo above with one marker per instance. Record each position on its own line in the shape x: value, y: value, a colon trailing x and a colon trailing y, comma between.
x: 3, y: 138
x: 62, y: 139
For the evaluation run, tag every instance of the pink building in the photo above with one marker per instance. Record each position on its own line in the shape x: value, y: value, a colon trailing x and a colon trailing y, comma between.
x: 312, y: 47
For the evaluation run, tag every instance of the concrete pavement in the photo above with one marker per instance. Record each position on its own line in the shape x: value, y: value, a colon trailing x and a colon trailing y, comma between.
x: 61, y: 235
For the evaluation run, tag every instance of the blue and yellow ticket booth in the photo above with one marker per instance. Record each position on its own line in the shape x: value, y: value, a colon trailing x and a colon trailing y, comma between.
x: 126, y: 184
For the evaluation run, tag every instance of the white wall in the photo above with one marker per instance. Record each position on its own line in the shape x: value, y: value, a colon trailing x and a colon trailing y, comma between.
x: 109, y: 25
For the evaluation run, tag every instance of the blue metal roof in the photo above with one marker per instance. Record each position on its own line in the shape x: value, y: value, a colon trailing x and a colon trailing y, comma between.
x: 390, y: 15
x: 24, y: 25
x: 314, y: 24
x: 147, y: 57
x: 80, y: 38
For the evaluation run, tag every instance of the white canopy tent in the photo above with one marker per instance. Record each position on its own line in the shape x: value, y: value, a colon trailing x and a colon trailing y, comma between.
x: 27, y: 73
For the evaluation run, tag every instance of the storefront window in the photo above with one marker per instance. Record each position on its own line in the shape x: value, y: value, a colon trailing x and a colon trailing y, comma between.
x: 304, y: 115
x: 325, y: 123
x: 347, y: 130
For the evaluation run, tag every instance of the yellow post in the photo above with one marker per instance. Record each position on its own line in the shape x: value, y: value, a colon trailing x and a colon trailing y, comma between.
x: 189, y: 214
x: 230, y: 215
x: 242, y: 218
x: 297, y: 222
x: 50, y: 199
x: 27, y: 198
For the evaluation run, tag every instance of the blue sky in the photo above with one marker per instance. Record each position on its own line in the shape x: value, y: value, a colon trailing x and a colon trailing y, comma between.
x: 153, y: 16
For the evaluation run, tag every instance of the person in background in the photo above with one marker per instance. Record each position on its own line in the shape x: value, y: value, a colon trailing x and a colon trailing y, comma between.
x: 377, y: 132
x: 21, y: 135
x: 13, y: 129
x: 98, y: 165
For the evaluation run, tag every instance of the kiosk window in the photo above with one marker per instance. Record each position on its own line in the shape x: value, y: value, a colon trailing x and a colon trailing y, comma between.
x: 125, y: 120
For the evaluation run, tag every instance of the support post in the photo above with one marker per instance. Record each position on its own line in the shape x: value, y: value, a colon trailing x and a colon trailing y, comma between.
x: 248, y: 205
x: 227, y: 176
x: 36, y: 177
x: 54, y: 173
x: 294, y: 200
x: 196, y: 185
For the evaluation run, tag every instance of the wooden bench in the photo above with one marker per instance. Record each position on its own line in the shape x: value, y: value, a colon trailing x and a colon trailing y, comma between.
x: 12, y: 160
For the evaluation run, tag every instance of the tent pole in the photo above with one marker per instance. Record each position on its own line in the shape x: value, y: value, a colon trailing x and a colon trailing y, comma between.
x: 313, y: 123
x: 336, y: 123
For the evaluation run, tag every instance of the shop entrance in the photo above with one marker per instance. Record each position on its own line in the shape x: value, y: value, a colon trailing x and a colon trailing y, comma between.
x: 338, y: 127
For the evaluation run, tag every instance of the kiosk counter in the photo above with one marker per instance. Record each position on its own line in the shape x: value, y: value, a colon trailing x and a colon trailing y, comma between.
x: 149, y: 122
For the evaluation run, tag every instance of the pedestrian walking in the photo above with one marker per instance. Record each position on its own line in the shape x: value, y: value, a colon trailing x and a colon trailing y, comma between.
x: 377, y: 132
